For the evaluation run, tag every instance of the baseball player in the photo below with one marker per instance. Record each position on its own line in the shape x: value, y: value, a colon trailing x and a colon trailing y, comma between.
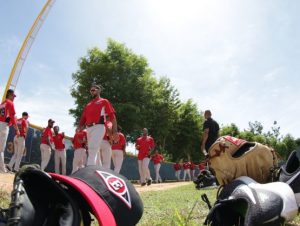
x: 157, y: 159
x: 19, y: 143
x: 177, y: 168
x: 119, y: 151
x: 144, y: 144
x: 79, y: 144
x: 93, y: 117
x: 7, y: 118
x: 105, y: 153
x: 192, y: 168
x: 59, y: 152
x: 46, y: 144
x: 202, y: 166
x: 186, y: 167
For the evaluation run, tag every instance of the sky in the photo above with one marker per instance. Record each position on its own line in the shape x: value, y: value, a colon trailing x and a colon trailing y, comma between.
x: 240, y: 59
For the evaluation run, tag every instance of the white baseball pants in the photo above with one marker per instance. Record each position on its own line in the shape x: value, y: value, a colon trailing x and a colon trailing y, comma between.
x: 117, y: 157
x: 45, y: 155
x: 19, y: 146
x: 192, y: 174
x: 3, y: 138
x: 94, y: 137
x: 60, y: 158
x: 188, y: 173
x: 177, y: 174
x: 104, y: 155
x: 144, y: 169
x: 79, y: 159
x: 157, y: 176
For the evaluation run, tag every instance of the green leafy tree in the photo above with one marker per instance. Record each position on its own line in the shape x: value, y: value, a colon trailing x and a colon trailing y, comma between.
x: 246, y: 135
x: 255, y: 127
x: 189, y: 131
x: 231, y: 130
x: 290, y: 143
x: 282, y: 149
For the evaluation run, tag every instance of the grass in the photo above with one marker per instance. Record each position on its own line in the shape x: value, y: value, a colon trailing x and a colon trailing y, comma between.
x: 178, y: 206
x: 181, y: 206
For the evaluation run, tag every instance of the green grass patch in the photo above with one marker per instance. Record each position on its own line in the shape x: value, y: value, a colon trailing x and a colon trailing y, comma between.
x: 4, y: 199
x: 177, y: 206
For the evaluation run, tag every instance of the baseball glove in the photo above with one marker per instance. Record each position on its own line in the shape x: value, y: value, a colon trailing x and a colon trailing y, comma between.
x: 37, y: 199
x: 41, y: 199
x: 245, y: 202
x: 231, y: 158
x: 205, y: 179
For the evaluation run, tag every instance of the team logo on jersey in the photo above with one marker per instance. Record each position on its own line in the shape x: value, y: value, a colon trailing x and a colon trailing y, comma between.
x: 117, y: 186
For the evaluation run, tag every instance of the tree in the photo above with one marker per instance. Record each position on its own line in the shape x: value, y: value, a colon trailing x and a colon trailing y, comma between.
x: 246, y: 135
x: 124, y: 76
x: 255, y: 127
x: 140, y: 100
x: 231, y: 130
x: 290, y: 143
x: 189, y: 132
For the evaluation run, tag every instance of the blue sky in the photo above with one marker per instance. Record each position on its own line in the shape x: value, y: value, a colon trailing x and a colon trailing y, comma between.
x: 237, y: 58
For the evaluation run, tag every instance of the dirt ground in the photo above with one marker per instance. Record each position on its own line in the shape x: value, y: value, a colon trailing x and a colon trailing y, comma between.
x: 6, y: 183
x: 159, y: 187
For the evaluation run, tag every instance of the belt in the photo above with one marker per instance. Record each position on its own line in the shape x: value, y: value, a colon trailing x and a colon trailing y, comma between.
x: 101, y: 121
x: 93, y: 124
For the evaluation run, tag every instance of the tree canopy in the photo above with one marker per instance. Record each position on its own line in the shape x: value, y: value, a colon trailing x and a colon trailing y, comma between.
x: 144, y: 100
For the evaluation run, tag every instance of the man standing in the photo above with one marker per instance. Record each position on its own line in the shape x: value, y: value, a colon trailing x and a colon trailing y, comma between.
x: 144, y: 144
x: 19, y: 143
x: 46, y: 144
x: 192, y: 168
x: 119, y: 151
x: 93, y: 117
x: 186, y: 167
x: 60, y: 152
x: 79, y: 145
x: 177, y: 168
x: 7, y: 118
x: 210, y: 132
x: 157, y: 159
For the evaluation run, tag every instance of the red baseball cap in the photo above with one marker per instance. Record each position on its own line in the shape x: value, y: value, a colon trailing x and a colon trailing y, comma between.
x: 111, y: 197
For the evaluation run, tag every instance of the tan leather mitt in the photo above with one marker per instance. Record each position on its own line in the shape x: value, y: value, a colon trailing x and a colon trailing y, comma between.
x: 231, y: 158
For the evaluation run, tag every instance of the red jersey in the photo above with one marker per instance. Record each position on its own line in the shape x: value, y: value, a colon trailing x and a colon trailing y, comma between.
x: 202, y: 166
x: 186, y: 165
x: 22, y: 126
x: 108, y: 125
x: 177, y: 166
x: 145, y: 145
x: 192, y: 166
x: 96, y: 109
x: 47, y: 133
x: 120, y: 144
x: 79, y: 140
x: 157, y: 159
x: 59, y: 141
x: 7, y: 109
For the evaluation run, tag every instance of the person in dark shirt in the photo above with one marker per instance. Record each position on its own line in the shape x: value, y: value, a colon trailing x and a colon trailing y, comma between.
x: 210, y: 132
